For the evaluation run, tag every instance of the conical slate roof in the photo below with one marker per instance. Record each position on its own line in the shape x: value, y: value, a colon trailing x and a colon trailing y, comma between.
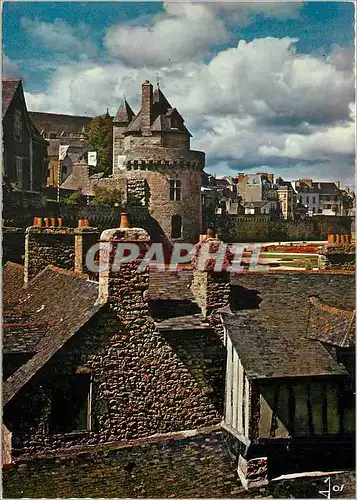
x: 124, y: 113
x: 163, y: 116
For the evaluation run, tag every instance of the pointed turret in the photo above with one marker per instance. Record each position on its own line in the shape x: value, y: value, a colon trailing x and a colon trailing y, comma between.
x: 124, y: 113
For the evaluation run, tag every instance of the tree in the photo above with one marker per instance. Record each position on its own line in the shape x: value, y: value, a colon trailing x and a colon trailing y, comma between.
x: 101, y: 141
x: 109, y: 198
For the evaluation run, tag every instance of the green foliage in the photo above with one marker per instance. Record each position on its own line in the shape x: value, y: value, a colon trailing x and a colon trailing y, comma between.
x: 245, y: 229
x: 72, y: 199
x: 106, y: 197
x: 101, y: 141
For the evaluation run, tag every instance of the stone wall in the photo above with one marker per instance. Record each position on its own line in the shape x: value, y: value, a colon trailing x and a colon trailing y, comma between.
x: 338, y: 257
x: 162, y: 209
x: 211, y: 290
x: 193, y: 467
x: 143, y: 381
x: 196, y: 466
x: 48, y: 246
x: 176, y: 140
x: 235, y: 228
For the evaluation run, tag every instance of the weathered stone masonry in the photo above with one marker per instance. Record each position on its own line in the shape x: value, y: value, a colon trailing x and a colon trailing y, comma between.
x: 48, y: 246
x: 143, y: 381
x: 194, y: 466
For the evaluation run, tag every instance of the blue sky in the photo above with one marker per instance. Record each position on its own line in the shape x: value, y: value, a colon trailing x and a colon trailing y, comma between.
x: 241, y: 74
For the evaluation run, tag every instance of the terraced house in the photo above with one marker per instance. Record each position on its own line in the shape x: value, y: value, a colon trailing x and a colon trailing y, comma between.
x: 185, y: 383
x: 25, y: 159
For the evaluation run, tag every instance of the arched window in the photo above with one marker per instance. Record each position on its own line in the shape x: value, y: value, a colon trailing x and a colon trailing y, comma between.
x: 176, y: 226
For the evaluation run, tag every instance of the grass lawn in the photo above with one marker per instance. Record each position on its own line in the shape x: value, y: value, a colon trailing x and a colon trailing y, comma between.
x: 290, y: 260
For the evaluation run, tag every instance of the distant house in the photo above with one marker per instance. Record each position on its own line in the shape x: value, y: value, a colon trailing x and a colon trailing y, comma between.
x: 259, y: 193
x: 25, y: 159
x: 287, y: 197
x: 66, y: 130
x: 259, y: 207
x: 323, y: 198
x: 331, y: 198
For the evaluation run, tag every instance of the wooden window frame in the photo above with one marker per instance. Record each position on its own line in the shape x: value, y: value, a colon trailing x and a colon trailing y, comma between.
x: 175, y: 189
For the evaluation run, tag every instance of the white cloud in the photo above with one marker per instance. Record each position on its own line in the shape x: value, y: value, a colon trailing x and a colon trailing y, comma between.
x: 60, y: 37
x: 259, y: 103
x: 185, y: 31
x: 10, y: 69
x: 180, y: 34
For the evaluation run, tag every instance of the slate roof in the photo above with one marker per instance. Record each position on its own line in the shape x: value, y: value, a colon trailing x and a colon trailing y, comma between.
x: 171, y: 285
x: 9, y: 87
x: 20, y: 334
x: 12, y: 282
x: 272, y: 336
x: 254, y: 204
x: 77, y: 147
x: 272, y: 351
x: 124, y: 113
x: 331, y: 325
x: 327, y: 188
x: 45, y: 303
x: 53, y: 122
x: 180, y: 323
x: 161, y: 113
x: 170, y: 295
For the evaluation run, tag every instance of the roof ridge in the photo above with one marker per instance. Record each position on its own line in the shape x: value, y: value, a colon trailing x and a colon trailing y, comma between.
x: 322, y: 306
x: 60, y: 114
x: 68, y: 272
x: 13, y: 264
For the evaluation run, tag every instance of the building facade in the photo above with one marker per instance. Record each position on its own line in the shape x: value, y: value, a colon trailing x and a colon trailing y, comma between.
x: 65, y: 130
x: 25, y: 159
x: 259, y: 194
x: 323, y: 198
x: 128, y: 358
x: 287, y: 198
x: 152, y: 147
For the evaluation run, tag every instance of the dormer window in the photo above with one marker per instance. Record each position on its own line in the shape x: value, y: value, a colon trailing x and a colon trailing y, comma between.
x: 53, y: 135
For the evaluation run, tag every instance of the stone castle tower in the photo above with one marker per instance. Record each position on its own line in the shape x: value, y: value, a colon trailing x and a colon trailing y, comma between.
x: 154, y: 146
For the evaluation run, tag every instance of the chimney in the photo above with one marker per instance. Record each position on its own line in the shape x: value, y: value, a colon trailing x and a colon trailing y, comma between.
x: 84, y: 238
x: 146, y: 103
x: 46, y: 245
x: 121, y: 283
x: 210, y: 288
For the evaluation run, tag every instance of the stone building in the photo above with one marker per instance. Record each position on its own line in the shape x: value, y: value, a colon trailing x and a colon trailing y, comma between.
x: 25, y: 159
x: 153, y: 146
x: 259, y: 194
x: 190, y: 365
x: 67, y: 130
x: 289, y: 378
x: 325, y: 198
x: 287, y: 198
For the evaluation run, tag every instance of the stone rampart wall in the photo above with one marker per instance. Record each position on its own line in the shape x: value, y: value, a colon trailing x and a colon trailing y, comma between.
x: 191, y: 467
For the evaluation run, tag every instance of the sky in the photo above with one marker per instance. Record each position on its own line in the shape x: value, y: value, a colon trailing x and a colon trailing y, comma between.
x: 261, y: 86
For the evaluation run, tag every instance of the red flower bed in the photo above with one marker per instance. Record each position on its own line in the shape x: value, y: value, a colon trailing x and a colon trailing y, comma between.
x: 291, y: 248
